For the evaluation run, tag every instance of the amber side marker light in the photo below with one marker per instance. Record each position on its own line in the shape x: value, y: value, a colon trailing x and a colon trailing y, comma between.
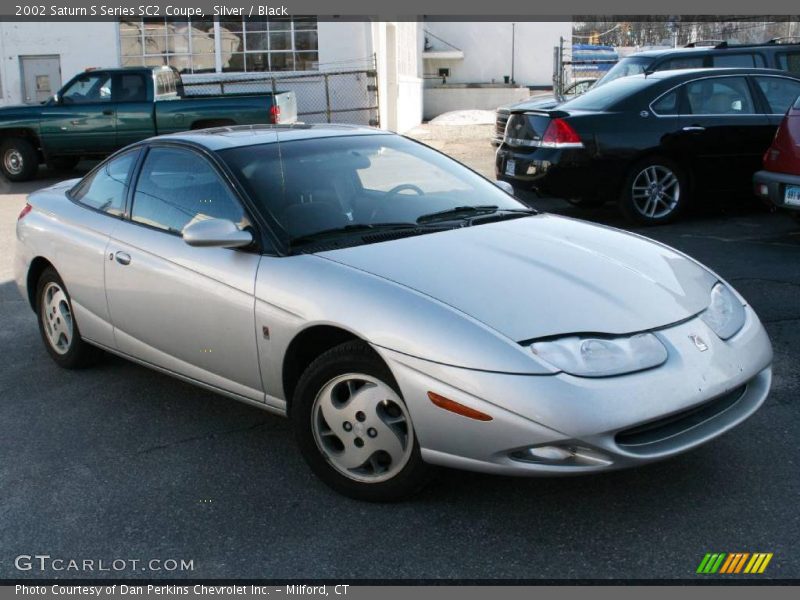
x: 459, y: 409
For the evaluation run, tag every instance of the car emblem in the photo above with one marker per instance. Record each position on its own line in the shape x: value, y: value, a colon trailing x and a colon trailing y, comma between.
x: 698, y: 342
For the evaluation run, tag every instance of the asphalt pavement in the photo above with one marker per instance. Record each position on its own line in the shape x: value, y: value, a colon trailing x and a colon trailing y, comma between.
x: 118, y: 462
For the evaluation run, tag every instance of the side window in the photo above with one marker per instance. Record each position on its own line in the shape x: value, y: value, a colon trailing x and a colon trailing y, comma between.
x: 681, y: 62
x: 737, y: 60
x: 177, y: 187
x: 130, y: 87
x: 107, y: 187
x: 88, y: 89
x: 666, y: 105
x: 719, y: 96
x: 789, y: 61
x: 779, y: 92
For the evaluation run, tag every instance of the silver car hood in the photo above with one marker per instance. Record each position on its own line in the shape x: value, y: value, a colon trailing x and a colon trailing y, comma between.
x: 543, y: 275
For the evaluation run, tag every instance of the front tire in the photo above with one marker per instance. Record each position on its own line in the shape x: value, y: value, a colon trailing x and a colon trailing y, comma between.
x: 353, y: 427
x: 19, y: 160
x: 656, y: 191
x: 57, y: 325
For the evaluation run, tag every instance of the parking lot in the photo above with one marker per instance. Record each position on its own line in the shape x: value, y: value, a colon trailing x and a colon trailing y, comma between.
x: 120, y: 462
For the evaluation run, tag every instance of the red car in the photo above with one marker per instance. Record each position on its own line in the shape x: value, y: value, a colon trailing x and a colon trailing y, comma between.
x: 779, y: 182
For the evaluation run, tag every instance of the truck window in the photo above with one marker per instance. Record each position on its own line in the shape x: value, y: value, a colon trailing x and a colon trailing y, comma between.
x: 789, y: 61
x: 681, y: 62
x: 130, y: 87
x: 87, y: 89
x: 747, y: 59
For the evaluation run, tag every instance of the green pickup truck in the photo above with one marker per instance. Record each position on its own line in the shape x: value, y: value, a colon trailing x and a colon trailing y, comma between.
x: 102, y: 110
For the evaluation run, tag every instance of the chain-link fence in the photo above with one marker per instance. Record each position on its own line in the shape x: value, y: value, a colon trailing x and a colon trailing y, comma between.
x: 324, y: 96
x: 574, y: 63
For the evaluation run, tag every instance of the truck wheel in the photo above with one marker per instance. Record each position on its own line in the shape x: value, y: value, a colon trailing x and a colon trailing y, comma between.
x: 18, y: 159
x: 63, y: 163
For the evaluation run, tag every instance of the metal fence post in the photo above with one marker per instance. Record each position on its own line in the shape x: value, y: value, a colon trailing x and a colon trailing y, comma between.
x: 327, y: 99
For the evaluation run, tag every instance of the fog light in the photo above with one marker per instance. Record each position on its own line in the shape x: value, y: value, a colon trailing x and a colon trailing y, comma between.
x: 562, y: 455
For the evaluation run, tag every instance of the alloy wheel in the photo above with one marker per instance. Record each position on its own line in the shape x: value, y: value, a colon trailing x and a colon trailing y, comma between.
x: 362, y: 428
x: 56, y: 318
x: 656, y: 191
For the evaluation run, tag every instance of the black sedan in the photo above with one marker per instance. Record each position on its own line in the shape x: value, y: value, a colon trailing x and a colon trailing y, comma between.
x: 650, y: 141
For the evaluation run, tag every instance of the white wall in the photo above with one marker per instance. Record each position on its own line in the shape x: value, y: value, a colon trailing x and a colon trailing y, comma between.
x: 80, y: 45
x: 487, y: 51
x: 442, y: 99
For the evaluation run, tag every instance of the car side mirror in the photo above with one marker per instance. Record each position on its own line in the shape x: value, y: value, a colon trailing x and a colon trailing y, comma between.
x: 505, y: 186
x: 216, y: 233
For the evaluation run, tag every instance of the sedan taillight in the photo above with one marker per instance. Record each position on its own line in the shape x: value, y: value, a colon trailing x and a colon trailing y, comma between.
x: 559, y: 133
x: 25, y: 210
x: 275, y: 114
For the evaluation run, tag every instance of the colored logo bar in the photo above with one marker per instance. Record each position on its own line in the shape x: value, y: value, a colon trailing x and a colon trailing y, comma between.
x: 734, y: 562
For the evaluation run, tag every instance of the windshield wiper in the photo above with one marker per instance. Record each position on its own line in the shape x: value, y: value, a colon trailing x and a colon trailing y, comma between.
x: 354, y: 228
x: 463, y: 212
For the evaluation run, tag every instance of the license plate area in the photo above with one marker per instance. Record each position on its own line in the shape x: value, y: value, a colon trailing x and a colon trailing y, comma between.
x: 791, y: 197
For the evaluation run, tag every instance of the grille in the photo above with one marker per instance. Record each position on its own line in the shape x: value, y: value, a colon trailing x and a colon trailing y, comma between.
x: 659, y: 430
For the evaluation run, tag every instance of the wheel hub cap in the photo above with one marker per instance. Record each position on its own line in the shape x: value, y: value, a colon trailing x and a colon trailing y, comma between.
x: 57, y: 318
x: 656, y: 191
x: 12, y: 160
x: 362, y: 428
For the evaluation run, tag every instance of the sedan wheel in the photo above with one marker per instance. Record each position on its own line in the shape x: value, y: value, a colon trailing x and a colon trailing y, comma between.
x: 354, y: 428
x: 655, y: 192
x: 57, y: 324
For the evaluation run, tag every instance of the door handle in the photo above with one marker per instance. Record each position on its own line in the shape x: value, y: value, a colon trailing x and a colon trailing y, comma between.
x: 123, y: 258
x: 75, y: 122
x: 696, y: 128
x: 108, y: 111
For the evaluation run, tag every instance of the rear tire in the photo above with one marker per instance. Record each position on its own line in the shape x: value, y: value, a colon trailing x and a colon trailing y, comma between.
x: 57, y: 324
x: 656, y: 191
x: 19, y: 160
x: 353, y: 427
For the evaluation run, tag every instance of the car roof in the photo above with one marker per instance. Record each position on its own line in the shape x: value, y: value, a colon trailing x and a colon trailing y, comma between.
x: 717, y: 49
x: 235, y: 136
x: 690, y: 73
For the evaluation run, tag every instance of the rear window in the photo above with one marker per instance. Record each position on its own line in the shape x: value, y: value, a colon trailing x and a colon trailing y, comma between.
x: 632, y: 65
x: 606, y: 96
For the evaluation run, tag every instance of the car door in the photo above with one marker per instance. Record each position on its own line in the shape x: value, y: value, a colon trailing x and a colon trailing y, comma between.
x: 99, y: 203
x: 185, y: 309
x: 721, y: 131
x: 135, y: 110
x: 83, y: 120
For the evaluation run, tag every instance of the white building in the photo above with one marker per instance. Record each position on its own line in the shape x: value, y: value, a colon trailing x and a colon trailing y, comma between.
x: 466, y: 63
x: 38, y: 57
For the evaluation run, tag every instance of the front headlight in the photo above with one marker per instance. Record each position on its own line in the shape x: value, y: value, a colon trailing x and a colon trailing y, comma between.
x: 725, y: 314
x: 601, y: 357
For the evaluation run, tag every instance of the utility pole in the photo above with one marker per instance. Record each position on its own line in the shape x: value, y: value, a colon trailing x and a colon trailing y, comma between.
x: 513, y: 48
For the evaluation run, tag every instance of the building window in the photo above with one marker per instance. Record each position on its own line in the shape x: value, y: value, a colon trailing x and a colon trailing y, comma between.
x: 239, y: 45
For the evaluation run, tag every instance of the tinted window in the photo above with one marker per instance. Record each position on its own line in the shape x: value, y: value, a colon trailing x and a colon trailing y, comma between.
x: 738, y: 60
x: 130, y: 87
x: 625, y: 68
x: 177, y: 187
x: 87, y: 89
x: 780, y: 93
x: 106, y: 188
x: 666, y: 105
x: 681, y: 62
x: 605, y: 96
x: 719, y: 96
x: 789, y: 61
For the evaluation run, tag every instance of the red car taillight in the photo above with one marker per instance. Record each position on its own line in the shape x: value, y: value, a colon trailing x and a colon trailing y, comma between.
x: 275, y: 114
x: 560, y: 133
x: 25, y: 210
x: 783, y: 156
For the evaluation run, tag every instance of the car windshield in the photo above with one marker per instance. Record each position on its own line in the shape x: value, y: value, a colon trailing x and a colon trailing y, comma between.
x: 604, y: 97
x: 633, y: 65
x: 354, y: 185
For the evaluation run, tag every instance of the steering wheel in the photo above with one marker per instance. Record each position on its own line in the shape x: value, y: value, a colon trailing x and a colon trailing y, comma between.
x: 395, y: 191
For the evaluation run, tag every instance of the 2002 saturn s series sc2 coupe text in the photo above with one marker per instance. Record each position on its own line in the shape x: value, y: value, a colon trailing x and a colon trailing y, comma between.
x: 402, y: 310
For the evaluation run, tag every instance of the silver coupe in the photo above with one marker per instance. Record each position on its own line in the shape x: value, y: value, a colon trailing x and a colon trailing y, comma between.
x: 399, y: 308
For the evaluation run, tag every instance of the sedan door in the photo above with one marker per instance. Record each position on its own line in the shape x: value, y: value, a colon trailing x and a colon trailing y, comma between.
x: 83, y: 121
x: 721, y: 131
x: 185, y: 309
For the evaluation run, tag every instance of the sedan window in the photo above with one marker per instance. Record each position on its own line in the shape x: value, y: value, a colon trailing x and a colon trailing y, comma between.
x: 178, y: 187
x: 105, y: 188
x: 719, y: 96
x: 780, y: 92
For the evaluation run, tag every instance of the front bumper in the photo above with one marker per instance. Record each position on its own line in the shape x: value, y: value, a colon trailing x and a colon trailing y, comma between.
x: 605, y: 423
x: 772, y: 186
